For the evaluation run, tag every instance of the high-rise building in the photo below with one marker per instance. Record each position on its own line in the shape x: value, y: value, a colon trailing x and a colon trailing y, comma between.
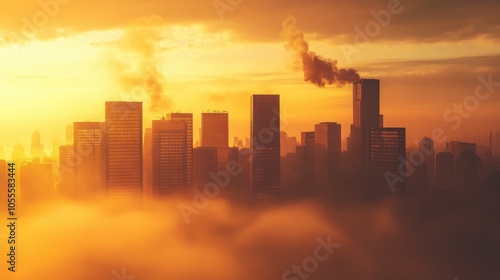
x: 204, y: 163
x: 169, y: 156
x: 366, y: 115
x: 426, y: 147
x: 444, y: 170
x: 466, y: 164
x: 188, y: 119
x: 89, y: 160
x: 328, y: 154
x: 307, y: 155
x: 36, y: 183
x: 36, y: 146
x: 147, y: 163
x: 386, y: 152
x: 66, y: 183
x: 123, y: 150
x: 215, y: 133
x: 265, y: 173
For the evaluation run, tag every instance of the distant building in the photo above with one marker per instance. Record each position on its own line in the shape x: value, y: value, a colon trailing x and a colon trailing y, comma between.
x: 328, y: 154
x: 466, y: 164
x: 188, y: 119
x: 444, y: 170
x: 427, y: 148
x: 36, y: 146
x: 147, y: 163
x: 36, y: 184
x: 265, y: 172
x: 169, y: 157
x: 66, y: 183
x: 387, y: 150
x: 89, y: 159
x: 123, y: 150
x: 204, y: 164
x: 215, y: 133
x: 308, y: 141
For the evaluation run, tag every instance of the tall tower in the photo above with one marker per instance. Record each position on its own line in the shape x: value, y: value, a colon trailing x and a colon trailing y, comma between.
x: 89, y: 159
x: 188, y: 119
x: 36, y: 145
x: 265, y: 169
x: 328, y: 153
x: 123, y: 150
x: 366, y: 115
x: 215, y: 134
x: 426, y: 146
x: 169, y: 156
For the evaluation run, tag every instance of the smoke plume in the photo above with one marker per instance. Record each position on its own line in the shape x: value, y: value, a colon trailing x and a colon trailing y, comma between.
x: 135, y: 60
x: 317, y: 70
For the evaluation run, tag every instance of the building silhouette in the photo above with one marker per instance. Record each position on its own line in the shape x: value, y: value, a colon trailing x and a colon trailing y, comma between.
x: 123, y: 150
x: 36, y: 146
x: 386, y: 152
x: 215, y: 133
x: 466, y: 164
x: 147, y: 163
x: 188, y: 119
x: 89, y: 159
x: 36, y: 184
x: 427, y: 148
x: 445, y: 162
x: 66, y: 182
x: 265, y: 167
x: 328, y: 155
x: 205, y: 162
x: 308, y: 142
x: 366, y: 115
x: 169, y: 150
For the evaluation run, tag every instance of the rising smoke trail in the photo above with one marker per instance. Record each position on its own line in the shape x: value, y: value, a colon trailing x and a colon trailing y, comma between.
x: 136, y: 62
x: 317, y: 70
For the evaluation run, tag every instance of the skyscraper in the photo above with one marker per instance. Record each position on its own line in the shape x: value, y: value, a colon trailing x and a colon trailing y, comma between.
x: 265, y: 173
x: 215, y: 133
x: 147, y: 162
x: 89, y: 159
x: 66, y: 183
x: 123, y: 150
x: 386, y: 152
x: 308, y: 142
x: 169, y: 156
x: 204, y: 163
x: 328, y: 154
x: 36, y: 145
x: 426, y: 146
x: 188, y: 119
x: 366, y: 115
x: 466, y: 164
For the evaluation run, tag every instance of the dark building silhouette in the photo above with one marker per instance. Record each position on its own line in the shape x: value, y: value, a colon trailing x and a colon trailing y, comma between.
x: 123, y: 150
x: 188, y: 119
x: 170, y: 173
x: 328, y: 154
x: 427, y: 148
x: 265, y: 171
x: 234, y: 154
x: 215, y: 133
x: 66, y: 182
x: 308, y: 141
x: 205, y: 162
x: 466, y: 164
x: 386, y: 152
x: 366, y: 115
x: 444, y: 169
x: 89, y: 159
x: 147, y: 163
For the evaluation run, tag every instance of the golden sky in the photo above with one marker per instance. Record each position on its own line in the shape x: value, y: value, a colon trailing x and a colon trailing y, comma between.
x: 60, y: 60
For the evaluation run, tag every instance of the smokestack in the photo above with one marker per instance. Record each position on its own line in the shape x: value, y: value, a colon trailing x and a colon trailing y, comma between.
x: 136, y: 62
x: 317, y: 70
